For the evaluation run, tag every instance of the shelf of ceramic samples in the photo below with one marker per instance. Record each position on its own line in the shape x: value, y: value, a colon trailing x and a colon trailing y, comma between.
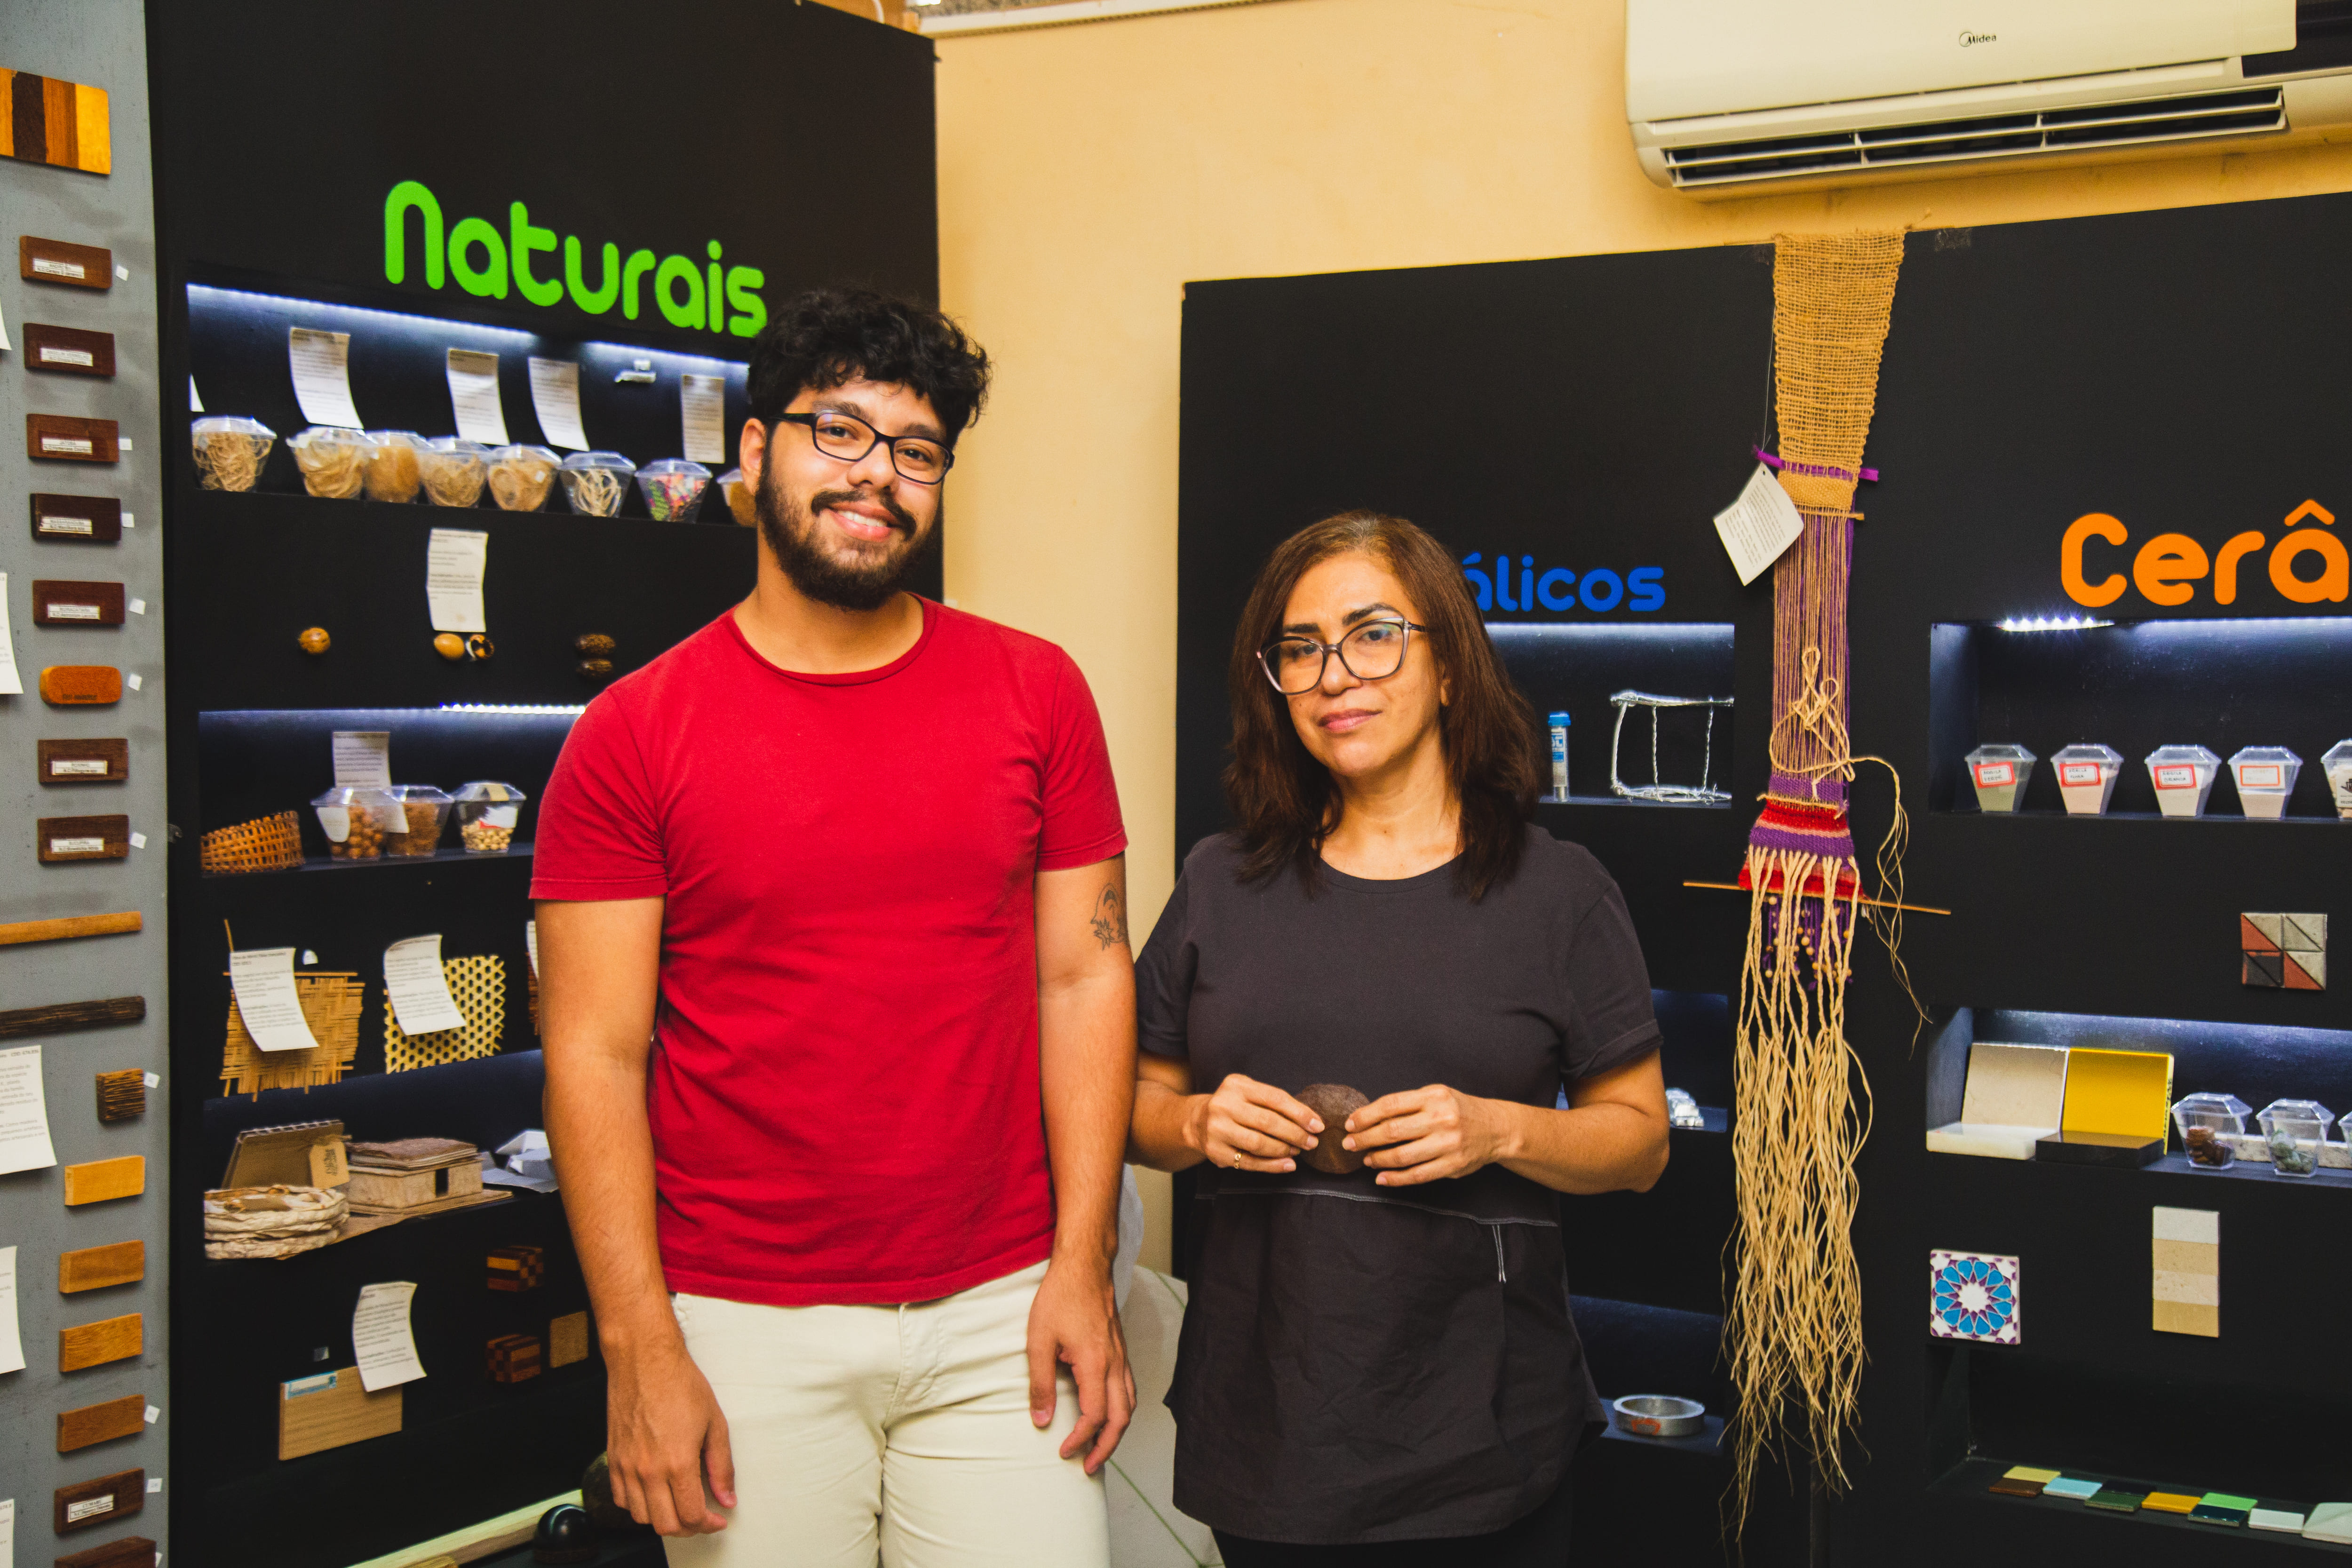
x: 2278, y: 1520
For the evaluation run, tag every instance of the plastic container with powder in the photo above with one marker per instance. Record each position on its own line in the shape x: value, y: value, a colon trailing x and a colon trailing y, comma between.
x: 596, y: 483
x: 2265, y: 776
x: 2183, y: 776
x: 521, y: 476
x: 230, y: 450
x: 333, y: 460
x: 2000, y: 772
x: 2086, y: 776
x: 2338, y: 763
x: 392, y: 472
x: 739, y: 499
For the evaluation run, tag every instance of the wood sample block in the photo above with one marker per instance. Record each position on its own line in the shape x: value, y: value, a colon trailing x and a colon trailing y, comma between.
x: 65, y: 927
x: 331, y: 1410
x: 42, y: 260
x: 131, y: 1552
x: 69, y: 439
x: 81, y: 685
x: 67, y: 350
x: 513, y: 1358
x: 109, y: 1500
x: 2185, y: 1290
x: 95, y: 1344
x: 123, y: 1418
x: 2118, y: 1091
x: 61, y: 123
x: 122, y: 1095
x: 59, y: 1016
x: 2116, y: 1151
x: 102, y: 1181
x: 104, y: 760
x: 77, y: 520
x: 567, y: 1339
x: 517, y: 1268
x: 59, y: 602
x: 65, y: 839
x: 95, y: 1267
x: 2016, y: 1086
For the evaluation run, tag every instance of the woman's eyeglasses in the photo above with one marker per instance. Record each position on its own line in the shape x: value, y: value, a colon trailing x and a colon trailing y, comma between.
x: 1372, y: 651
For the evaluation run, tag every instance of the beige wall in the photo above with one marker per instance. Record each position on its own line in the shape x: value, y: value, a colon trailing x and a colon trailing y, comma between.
x: 1087, y: 172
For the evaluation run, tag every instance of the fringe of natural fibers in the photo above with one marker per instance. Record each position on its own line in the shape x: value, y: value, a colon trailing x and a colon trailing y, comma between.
x: 1792, y: 1324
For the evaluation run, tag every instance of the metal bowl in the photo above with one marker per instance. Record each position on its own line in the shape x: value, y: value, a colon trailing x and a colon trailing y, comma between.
x: 1659, y: 1416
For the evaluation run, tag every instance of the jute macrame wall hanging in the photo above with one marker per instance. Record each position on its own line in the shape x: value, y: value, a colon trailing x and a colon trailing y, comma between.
x: 1792, y: 1327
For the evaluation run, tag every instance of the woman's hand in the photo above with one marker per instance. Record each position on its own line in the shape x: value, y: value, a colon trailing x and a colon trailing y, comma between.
x: 1427, y: 1134
x: 1251, y: 1126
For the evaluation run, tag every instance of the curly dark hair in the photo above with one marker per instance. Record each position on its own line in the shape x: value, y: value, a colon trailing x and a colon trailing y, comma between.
x: 1286, y: 802
x: 829, y: 336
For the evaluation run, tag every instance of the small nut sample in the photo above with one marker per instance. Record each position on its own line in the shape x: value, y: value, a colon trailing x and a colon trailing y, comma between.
x: 478, y: 648
x: 315, y: 640
x: 594, y: 645
x: 1334, y: 1102
x: 594, y: 669
x: 449, y: 645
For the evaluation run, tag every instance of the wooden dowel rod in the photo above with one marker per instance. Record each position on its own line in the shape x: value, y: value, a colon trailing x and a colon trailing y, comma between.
x: 72, y: 925
x: 1874, y: 903
x: 72, y: 1015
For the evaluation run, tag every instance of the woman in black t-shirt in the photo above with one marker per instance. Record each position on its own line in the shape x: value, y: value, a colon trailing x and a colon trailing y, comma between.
x: 1380, y: 1364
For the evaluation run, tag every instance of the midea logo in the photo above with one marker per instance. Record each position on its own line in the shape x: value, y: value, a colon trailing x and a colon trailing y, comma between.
x: 1969, y: 39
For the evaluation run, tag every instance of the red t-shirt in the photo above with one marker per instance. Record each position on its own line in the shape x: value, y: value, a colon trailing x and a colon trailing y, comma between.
x: 843, y: 1091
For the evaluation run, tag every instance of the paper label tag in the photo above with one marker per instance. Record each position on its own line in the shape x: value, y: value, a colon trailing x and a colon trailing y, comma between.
x: 329, y: 1168
x: 555, y: 398
x: 363, y: 758
x: 336, y: 820
x: 1992, y: 776
x: 67, y: 525
x: 2078, y: 772
x: 2177, y: 776
x: 67, y: 356
x: 10, y: 684
x: 416, y: 987
x: 380, y: 1337
x: 77, y: 846
x: 89, y: 1508
x: 501, y: 816
x: 195, y: 399
x: 73, y: 612
x: 455, y: 562
x: 2261, y: 775
x: 530, y: 942
x: 324, y: 1383
x: 474, y: 399
x: 263, y: 980
x: 1759, y: 526
x: 49, y: 268
x: 73, y: 445
x: 24, y: 1138
x: 77, y: 767
x: 702, y: 406
x: 323, y: 379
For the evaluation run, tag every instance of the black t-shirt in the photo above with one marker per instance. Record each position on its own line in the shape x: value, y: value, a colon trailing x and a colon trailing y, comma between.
x: 1360, y: 1362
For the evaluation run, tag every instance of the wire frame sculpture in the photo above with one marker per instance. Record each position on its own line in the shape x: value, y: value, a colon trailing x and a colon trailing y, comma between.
x: 1703, y: 793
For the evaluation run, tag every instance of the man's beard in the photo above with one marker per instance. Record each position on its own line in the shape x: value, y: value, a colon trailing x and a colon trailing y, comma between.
x: 866, y: 583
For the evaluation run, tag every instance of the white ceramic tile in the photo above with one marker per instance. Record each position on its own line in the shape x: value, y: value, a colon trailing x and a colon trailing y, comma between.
x: 2189, y: 1225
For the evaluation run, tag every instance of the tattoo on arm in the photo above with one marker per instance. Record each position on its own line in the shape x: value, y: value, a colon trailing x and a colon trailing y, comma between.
x: 1109, y: 919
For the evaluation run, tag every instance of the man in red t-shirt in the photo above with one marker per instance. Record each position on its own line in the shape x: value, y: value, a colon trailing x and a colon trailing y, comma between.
x: 840, y: 1018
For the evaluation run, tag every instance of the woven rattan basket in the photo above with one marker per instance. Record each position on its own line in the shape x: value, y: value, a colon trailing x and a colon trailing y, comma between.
x: 330, y: 1005
x: 479, y: 986
x: 265, y: 844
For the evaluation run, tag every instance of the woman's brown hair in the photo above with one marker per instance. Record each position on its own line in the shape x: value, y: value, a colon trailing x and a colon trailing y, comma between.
x: 1285, y: 801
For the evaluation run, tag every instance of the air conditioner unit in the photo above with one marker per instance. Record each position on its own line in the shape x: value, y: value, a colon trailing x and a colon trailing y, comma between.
x: 1741, y: 97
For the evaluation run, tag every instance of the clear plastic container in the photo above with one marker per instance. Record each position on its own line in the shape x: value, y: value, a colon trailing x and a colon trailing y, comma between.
x: 424, y: 812
x: 453, y: 470
x: 230, y: 450
x: 2206, y: 1124
x: 392, y: 471
x: 2086, y: 776
x: 333, y: 460
x: 488, y: 813
x: 596, y: 483
x: 521, y: 476
x: 672, y: 489
x: 739, y: 499
x: 2265, y: 776
x: 2000, y: 772
x: 2295, y: 1129
x: 2183, y: 776
x: 355, y: 820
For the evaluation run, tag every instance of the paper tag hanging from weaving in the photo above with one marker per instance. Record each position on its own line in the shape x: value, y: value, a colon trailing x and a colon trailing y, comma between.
x: 1759, y: 526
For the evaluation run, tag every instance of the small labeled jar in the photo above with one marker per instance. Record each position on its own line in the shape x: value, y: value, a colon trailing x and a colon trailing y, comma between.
x: 2000, y: 772
x: 453, y: 469
x: 2183, y: 776
x: 355, y: 818
x: 333, y: 460
x: 2086, y: 777
x: 2207, y: 1123
x: 488, y: 813
x: 2295, y: 1129
x: 2338, y: 763
x: 392, y: 470
x: 596, y: 483
x: 738, y: 497
x: 521, y: 476
x: 230, y: 450
x: 2265, y: 776
x: 423, y: 811
x: 672, y: 489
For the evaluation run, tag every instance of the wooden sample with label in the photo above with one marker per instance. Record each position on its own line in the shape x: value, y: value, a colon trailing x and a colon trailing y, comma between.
x: 67, y: 350
x: 105, y: 759
x: 65, y: 927
x: 517, y: 1268
x: 95, y: 1344
x: 62, y: 603
x: 42, y: 260
x: 122, y: 1095
x: 567, y: 1339
x: 81, y: 685
x: 62, y: 1016
x: 331, y: 1409
x: 95, y: 1267
x: 69, y: 439
x: 513, y: 1358
x: 123, y: 1418
x: 77, y: 520
x: 86, y: 1505
x: 61, y: 123
x: 102, y: 1181
x: 64, y: 839
x: 131, y: 1552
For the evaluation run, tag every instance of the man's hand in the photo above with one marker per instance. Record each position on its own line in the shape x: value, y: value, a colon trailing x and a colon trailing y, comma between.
x: 1075, y: 1322
x: 666, y: 1433
x: 1427, y: 1134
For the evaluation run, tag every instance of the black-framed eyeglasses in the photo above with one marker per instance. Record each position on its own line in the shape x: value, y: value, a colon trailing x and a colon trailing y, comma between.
x: 848, y: 439
x: 1373, y: 651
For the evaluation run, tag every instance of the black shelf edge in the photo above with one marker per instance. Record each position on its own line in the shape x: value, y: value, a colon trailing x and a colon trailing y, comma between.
x: 438, y: 857
x: 1612, y: 800
x: 2175, y: 1165
x: 2230, y: 816
x: 1970, y: 1478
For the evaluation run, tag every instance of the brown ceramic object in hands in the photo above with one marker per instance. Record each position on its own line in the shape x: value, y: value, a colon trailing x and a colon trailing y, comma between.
x: 1334, y: 1102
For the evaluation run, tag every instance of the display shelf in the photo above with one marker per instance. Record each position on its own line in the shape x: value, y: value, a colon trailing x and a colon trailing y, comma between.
x: 1622, y: 800
x: 2238, y: 1172
x: 1966, y: 1484
x: 381, y: 863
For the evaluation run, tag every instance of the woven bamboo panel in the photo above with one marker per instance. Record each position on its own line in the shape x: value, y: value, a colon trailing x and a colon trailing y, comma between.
x: 330, y: 1005
x: 479, y: 985
x: 265, y: 844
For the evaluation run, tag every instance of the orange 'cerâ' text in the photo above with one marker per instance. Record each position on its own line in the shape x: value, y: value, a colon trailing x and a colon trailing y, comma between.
x: 2169, y: 565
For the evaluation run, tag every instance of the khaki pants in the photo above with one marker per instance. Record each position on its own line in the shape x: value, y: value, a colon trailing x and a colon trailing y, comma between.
x: 901, y: 1434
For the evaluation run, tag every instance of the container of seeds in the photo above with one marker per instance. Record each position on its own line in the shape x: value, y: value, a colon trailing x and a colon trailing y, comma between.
x: 2206, y: 1124
x: 596, y: 483
x: 230, y: 450
x: 392, y: 470
x: 2265, y: 776
x: 333, y: 460
x: 453, y: 469
x: 423, y: 810
x: 2338, y: 763
x: 521, y: 477
x: 354, y: 819
x: 2000, y: 772
x: 2183, y: 776
x: 672, y: 489
x: 739, y: 499
x: 2086, y: 777
x: 488, y: 813
x: 2295, y: 1129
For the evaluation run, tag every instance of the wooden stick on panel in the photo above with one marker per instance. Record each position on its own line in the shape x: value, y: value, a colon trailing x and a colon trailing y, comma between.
x: 95, y: 1344
x: 59, y: 1016
x: 95, y: 1267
